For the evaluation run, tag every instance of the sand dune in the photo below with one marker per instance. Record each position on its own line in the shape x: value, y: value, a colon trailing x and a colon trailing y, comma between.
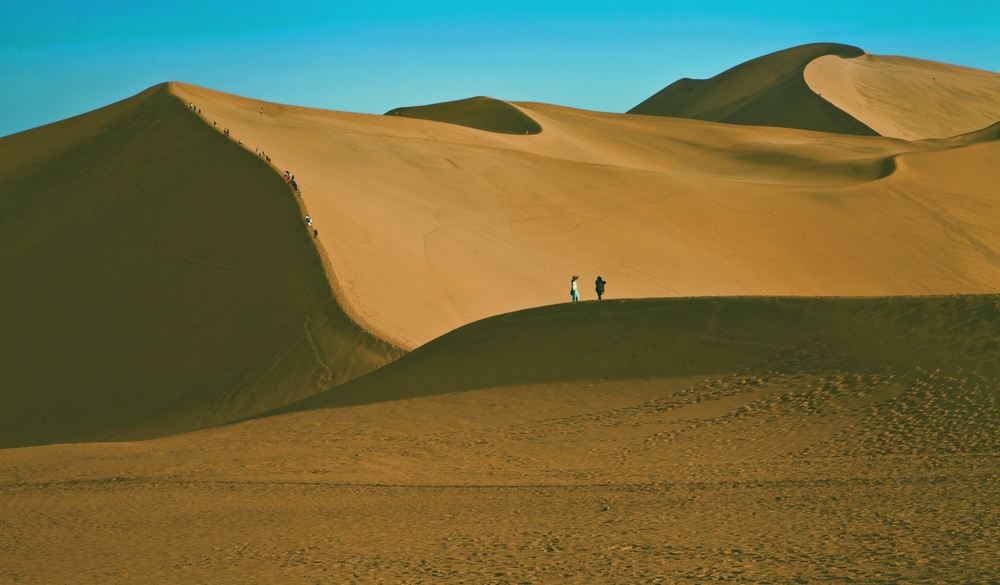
x: 748, y: 439
x: 908, y: 98
x: 156, y: 278
x: 166, y: 273
x: 465, y: 223
x: 766, y: 91
x: 482, y: 113
x: 835, y: 88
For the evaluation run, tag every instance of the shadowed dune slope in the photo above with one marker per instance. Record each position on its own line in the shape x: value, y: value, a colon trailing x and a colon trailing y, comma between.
x: 649, y: 339
x: 464, y: 224
x: 482, y: 113
x: 766, y: 91
x: 156, y: 278
x: 908, y: 98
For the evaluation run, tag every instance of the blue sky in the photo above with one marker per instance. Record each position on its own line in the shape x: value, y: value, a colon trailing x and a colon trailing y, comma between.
x: 61, y: 58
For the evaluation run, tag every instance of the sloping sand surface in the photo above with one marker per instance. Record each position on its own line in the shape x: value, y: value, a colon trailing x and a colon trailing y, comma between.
x: 431, y: 226
x: 481, y: 112
x: 908, y: 98
x: 766, y: 91
x: 741, y: 439
x: 156, y: 278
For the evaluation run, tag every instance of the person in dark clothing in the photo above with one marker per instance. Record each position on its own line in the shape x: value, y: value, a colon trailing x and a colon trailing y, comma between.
x: 599, y: 286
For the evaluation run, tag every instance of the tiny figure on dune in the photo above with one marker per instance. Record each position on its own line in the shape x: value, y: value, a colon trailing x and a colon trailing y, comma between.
x: 315, y: 233
x: 599, y: 287
x: 309, y: 221
x: 574, y: 294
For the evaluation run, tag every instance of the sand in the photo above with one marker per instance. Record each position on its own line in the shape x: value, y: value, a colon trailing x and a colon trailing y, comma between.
x: 156, y: 278
x: 793, y: 378
x: 482, y: 113
x: 475, y: 223
x: 767, y: 91
x: 753, y: 440
x: 842, y: 89
x: 908, y: 98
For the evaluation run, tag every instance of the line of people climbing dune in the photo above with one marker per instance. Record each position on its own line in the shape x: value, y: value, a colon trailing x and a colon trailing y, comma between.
x: 574, y: 293
x: 288, y: 176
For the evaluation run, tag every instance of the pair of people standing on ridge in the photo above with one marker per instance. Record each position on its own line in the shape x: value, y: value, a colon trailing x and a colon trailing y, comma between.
x: 574, y: 294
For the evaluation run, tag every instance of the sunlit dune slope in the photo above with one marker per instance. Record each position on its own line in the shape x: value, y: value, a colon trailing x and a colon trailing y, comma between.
x: 156, y: 278
x: 908, y: 98
x: 431, y: 226
x: 480, y: 112
x: 766, y: 91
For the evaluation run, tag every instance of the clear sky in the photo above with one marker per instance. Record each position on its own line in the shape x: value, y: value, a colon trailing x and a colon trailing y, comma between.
x: 59, y: 58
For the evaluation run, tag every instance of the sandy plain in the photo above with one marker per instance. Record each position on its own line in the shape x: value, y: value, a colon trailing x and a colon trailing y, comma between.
x: 794, y: 378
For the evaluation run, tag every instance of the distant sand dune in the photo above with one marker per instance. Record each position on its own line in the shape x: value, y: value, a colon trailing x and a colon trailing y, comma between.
x: 836, y: 88
x: 766, y: 91
x: 482, y: 113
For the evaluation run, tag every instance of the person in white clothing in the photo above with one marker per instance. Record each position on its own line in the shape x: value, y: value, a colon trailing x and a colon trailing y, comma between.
x: 573, y: 293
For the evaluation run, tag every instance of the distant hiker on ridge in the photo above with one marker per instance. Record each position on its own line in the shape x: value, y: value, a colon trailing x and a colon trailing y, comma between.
x: 599, y: 287
x: 574, y: 295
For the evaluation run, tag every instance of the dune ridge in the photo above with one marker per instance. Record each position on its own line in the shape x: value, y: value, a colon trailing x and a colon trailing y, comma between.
x: 679, y: 338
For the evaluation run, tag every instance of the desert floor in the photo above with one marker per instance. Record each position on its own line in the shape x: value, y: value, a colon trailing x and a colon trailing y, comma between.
x: 735, y: 444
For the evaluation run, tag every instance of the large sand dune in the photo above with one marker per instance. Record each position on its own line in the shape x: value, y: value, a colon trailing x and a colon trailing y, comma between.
x: 166, y: 273
x: 432, y: 225
x: 156, y: 278
x: 750, y: 439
